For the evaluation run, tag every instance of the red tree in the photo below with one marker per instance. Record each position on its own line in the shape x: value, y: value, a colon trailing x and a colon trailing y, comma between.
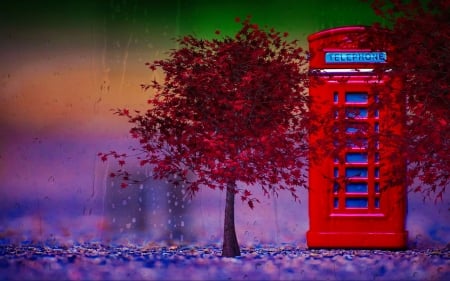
x: 420, y: 34
x: 229, y: 111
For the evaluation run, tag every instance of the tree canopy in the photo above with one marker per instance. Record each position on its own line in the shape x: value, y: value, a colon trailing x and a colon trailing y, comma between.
x: 229, y: 110
x: 420, y: 34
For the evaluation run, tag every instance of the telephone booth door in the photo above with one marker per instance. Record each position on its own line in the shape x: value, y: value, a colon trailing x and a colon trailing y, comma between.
x: 357, y: 195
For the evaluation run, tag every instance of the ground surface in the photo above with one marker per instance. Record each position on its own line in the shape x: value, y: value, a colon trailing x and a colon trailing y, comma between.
x: 95, y: 261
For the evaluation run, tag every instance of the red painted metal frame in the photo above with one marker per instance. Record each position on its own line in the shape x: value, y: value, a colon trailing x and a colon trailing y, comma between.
x: 381, y: 224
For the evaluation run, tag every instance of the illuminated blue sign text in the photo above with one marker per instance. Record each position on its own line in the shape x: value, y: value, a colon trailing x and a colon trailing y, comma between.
x: 355, y: 57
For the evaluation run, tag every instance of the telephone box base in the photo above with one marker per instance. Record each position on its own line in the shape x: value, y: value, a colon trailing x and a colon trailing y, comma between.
x: 360, y: 240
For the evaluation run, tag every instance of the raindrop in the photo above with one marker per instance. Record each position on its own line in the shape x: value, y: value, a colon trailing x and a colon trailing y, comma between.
x: 113, y: 220
x: 182, y: 223
x: 170, y: 210
x: 140, y: 199
x: 128, y: 225
x: 141, y: 187
x: 175, y: 203
x: 113, y: 206
x: 169, y: 221
x: 133, y: 220
x: 124, y: 202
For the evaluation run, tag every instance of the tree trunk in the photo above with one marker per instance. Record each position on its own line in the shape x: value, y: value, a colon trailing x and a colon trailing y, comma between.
x: 230, y: 243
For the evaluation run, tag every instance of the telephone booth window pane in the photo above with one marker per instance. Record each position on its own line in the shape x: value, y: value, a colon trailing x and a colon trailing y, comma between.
x: 377, y: 128
x: 377, y: 157
x: 356, y: 202
x: 377, y: 203
x: 335, y: 97
x: 356, y: 157
x: 356, y: 128
x: 377, y: 172
x: 357, y: 143
x: 357, y: 187
x: 335, y: 187
x: 377, y: 187
x: 336, y: 203
x: 336, y: 172
x: 354, y: 113
x: 356, y: 172
x: 377, y: 113
x: 356, y: 97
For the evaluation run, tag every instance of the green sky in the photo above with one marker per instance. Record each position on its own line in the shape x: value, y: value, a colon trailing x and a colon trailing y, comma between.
x: 199, y: 17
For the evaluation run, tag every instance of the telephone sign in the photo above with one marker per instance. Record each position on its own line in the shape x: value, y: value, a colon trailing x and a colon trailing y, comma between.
x: 355, y: 57
x: 357, y: 195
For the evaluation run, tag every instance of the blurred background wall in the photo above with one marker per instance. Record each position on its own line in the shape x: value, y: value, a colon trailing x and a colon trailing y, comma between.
x: 66, y: 64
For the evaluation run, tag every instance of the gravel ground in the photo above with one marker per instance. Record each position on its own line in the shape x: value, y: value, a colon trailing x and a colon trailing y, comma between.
x: 94, y: 261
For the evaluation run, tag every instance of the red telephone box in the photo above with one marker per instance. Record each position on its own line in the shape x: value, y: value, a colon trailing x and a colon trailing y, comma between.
x: 357, y: 195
